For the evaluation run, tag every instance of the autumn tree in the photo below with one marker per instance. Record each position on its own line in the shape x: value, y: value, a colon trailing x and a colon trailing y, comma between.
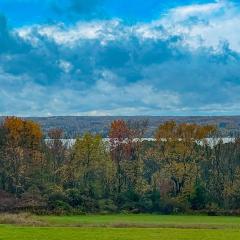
x: 185, y: 167
x: 3, y: 169
x: 125, y: 149
x: 221, y: 172
x: 89, y: 166
x: 56, y: 153
x: 22, y: 152
x: 180, y: 152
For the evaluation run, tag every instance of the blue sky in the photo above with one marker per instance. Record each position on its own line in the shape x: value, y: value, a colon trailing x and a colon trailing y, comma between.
x: 110, y: 57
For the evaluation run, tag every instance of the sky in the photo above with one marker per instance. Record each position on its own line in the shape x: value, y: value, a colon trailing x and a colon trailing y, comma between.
x: 111, y: 57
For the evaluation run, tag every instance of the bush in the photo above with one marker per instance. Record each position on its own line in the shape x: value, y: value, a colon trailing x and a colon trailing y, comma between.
x: 58, y: 201
x: 198, y: 199
x: 57, y: 196
x: 213, y: 209
x: 107, y: 205
x: 146, y: 204
x: 128, y: 201
x: 89, y: 204
x: 74, y: 197
x: 171, y: 205
x: 150, y: 202
x: 60, y: 207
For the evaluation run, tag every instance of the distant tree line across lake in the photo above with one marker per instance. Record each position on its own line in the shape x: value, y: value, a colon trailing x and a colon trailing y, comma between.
x: 73, y: 126
x: 176, y: 175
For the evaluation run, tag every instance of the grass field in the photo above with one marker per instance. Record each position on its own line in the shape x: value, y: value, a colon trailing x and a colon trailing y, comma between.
x: 144, y: 220
x: 123, y: 227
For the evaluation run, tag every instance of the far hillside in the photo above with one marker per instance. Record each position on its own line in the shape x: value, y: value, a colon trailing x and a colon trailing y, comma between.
x: 74, y: 126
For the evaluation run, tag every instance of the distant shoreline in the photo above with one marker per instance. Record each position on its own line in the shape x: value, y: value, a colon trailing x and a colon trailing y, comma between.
x: 74, y: 126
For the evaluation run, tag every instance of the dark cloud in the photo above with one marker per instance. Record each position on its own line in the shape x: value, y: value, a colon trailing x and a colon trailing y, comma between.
x: 9, y: 42
x: 114, y: 70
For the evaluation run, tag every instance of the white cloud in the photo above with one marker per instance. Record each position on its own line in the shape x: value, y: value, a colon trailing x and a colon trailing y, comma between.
x: 182, y: 13
x: 69, y: 76
x: 104, y: 98
x: 201, y: 25
x: 70, y: 35
x: 65, y: 66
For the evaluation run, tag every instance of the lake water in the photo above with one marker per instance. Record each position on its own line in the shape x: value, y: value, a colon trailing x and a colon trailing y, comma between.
x: 210, y: 141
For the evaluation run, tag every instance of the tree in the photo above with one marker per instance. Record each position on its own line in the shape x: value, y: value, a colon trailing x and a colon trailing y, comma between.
x: 221, y: 172
x: 56, y: 152
x: 22, y: 152
x: 180, y: 152
x: 90, y: 167
x: 126, y: 152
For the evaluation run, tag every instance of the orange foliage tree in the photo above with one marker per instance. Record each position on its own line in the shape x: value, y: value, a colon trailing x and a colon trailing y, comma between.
x: 179, y: 155
x: 22, y: 154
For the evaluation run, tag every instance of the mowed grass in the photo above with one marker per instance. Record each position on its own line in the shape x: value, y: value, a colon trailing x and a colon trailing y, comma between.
x: 144, y: 220
x: 23, y: 233
x: 125, y: 227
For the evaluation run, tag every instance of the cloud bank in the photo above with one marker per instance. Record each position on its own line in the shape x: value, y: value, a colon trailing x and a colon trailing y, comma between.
x: 184, y: 62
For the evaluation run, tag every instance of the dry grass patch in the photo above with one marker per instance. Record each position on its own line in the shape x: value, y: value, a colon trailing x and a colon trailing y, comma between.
x: 22, y: 219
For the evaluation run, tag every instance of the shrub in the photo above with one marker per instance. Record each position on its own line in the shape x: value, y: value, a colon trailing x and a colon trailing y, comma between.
x: 198, y: 199
x: 74, y: 197
x: 107, y: 205
x: 60, y: 207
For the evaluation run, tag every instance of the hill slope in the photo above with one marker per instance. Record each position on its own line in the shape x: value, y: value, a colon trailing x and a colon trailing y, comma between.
x: 74, y: 126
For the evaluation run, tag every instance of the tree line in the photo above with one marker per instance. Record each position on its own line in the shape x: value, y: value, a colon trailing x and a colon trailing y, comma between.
x: 179, y: 172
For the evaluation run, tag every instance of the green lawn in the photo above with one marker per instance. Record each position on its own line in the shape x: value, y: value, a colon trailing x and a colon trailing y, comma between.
x: 16, y: 233
x: 127, y: 227
x: 145, y: 220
